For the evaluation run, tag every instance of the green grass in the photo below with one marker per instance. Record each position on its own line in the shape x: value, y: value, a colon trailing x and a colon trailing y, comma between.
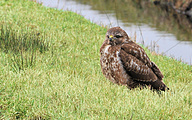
x: 21, y: 47
x: 66, y: 81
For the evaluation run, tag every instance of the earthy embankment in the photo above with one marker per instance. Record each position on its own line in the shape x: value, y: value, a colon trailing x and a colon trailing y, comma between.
x: 182, y: 8
x: 174, y: 16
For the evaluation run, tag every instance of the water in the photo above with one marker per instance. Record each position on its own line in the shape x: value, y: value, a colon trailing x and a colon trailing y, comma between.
x: 166, y: 42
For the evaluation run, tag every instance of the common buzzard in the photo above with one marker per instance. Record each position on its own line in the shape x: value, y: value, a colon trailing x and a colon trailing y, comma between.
x: 125, y: 63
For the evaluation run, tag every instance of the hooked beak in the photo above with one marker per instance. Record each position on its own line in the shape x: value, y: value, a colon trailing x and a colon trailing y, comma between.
x: 111, y: 38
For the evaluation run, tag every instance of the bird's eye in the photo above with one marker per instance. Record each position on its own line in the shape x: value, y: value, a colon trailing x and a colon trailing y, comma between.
x: 118, y: 36
x: 107, y: 36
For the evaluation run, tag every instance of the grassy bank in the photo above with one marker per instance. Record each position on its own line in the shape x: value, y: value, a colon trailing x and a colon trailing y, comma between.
x: 64, y: 79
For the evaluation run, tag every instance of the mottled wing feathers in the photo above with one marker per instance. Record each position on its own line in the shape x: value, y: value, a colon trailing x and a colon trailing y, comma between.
x: 136, y: 68
x: 137, y: 64
x: 138, y: 52
x: 157, y: 71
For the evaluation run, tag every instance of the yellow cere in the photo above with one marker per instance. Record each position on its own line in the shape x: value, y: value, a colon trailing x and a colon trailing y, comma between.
x: 110, y: 36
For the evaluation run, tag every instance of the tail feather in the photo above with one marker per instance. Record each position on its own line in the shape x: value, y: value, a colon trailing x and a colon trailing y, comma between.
x: 159, y: 85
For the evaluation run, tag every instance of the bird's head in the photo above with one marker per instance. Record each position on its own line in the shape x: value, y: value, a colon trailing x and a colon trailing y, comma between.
x: 116, y: 36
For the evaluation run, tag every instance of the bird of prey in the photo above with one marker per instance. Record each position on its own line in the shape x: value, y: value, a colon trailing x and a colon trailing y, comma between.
x: 125, y: 63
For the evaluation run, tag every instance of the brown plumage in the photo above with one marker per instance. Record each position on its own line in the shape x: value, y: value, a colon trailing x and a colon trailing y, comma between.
x: 125, y: 63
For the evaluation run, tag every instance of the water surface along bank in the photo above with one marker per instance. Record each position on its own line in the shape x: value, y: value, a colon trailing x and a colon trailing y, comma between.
x: 165, y: 35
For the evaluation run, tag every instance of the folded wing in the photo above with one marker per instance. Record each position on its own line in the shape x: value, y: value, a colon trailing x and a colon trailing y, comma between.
x: 138, y: 65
